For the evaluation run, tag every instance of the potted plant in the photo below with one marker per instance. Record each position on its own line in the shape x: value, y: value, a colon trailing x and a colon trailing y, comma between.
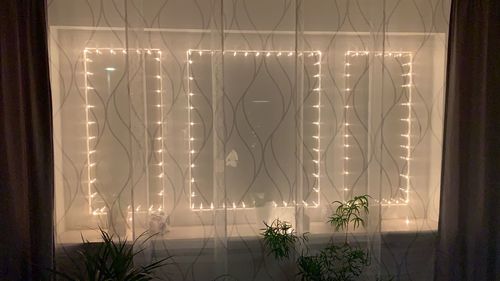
x: 111, y: 259
x: 337, y: 261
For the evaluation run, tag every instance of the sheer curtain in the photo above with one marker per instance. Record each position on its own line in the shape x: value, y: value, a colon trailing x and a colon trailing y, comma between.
x: 201, y: 119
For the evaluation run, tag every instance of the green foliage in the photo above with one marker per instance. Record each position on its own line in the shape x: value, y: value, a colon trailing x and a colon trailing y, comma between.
x: 342, y: 262
x: 310, y: 268
x: 349, y: 212
x: 112, y: 260
x: 280, y: 238
x: 333, y: 263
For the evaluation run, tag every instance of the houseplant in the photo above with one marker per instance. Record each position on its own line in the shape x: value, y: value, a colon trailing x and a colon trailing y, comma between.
x: 111, y: 259
x: 336, y: 262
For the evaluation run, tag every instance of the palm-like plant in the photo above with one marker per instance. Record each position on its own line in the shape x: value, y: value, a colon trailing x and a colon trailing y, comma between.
x: 342, y: 262
x: 349, y: 212
x: 281, y: 238
x: 112, y: 260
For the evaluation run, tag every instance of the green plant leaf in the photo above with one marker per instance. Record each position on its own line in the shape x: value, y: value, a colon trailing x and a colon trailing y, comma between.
x: 114, y: 260
x: 280, y: 238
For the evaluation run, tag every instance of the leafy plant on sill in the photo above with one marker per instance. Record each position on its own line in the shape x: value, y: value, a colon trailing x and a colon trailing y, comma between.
x: 281, y: 239
x: 335, y: 262
x: 112, y: 260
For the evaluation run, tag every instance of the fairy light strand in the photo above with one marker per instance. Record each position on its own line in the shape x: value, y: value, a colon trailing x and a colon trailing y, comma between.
x: 191, y: 54
x: 407, y: 122
x: 91, y: 152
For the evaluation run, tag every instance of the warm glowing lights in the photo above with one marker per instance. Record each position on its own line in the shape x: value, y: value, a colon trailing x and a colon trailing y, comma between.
x: 407, y: 85
x: 92, y: 134
x: 261, y: 54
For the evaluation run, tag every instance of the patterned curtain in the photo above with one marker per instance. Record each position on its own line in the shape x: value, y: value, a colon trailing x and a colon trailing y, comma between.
x: 199, y: 120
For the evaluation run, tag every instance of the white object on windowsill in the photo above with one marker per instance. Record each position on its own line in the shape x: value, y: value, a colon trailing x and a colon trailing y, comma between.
x: 232, y: 159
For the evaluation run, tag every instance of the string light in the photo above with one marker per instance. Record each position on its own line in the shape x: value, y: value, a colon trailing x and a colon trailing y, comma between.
x: 91, y: 151
x: 190, y: 106
x: 407, y: 120
x: 90, y: 163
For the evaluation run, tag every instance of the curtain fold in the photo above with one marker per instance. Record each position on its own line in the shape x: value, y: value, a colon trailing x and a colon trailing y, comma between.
x: 26, y: 173
x: 469, y: 225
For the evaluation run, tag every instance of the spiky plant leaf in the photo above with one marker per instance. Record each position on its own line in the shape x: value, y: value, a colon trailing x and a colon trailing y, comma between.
x: 113, y: 259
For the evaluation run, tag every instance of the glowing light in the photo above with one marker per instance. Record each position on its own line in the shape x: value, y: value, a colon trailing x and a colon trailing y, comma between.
x: 407, y: 123
x: 190, y: 61
x: 190, y: 108
x: 91, y: 151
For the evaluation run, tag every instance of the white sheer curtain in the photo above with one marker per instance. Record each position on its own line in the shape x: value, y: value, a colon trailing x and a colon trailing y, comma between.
x: 201, y: 119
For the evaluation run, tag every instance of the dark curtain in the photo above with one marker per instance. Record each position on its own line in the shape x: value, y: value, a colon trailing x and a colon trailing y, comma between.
x: 469, y: 224
x: 26, y: 170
